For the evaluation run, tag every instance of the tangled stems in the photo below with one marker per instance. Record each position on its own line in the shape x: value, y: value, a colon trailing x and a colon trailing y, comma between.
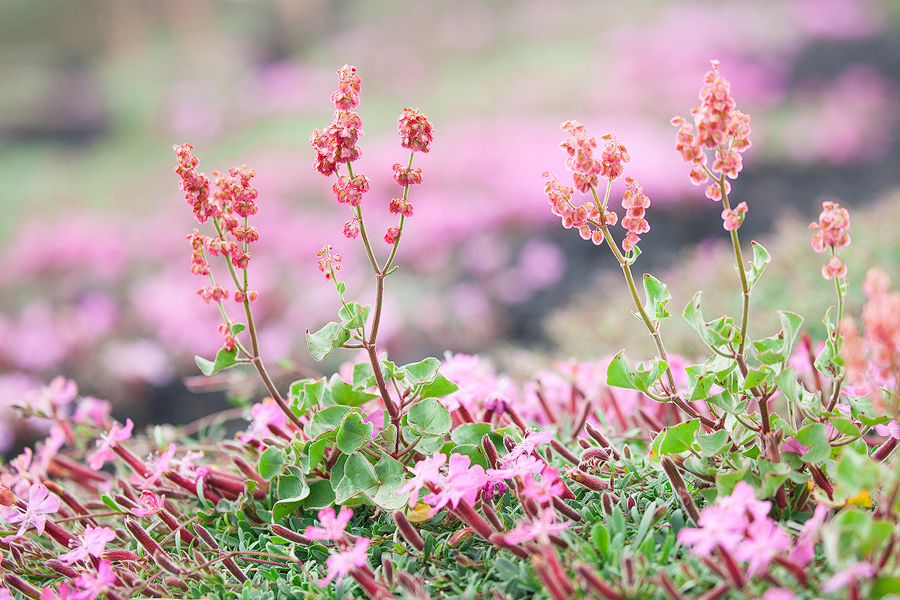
x: 625, y: 264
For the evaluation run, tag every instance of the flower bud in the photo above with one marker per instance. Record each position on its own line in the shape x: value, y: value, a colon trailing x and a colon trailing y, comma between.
x: 408, y: 532
x: 460, y: 536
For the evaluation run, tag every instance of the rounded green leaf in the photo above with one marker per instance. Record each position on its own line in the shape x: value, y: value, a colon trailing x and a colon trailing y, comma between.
x: 353, y: 432
x: 429, y: 417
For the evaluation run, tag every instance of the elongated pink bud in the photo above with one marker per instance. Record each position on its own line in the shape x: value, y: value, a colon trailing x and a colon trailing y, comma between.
x: 289, y: 535
x: 60, y: 567
x: 490, y: 451
x: 117, y: 555
x: 408, y: 532
x: 14, y: 581
x: 564, y: 452
x: 596, y: 583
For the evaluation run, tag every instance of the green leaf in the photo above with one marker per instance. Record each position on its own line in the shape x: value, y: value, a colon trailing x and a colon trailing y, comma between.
x: 438, y: 388
x: 327, y: 340
x: 306, y: 393
x: 326, y: 421
x: 291, y: 490
x: 346, y: 395
x: 658, y: 297
x: 717, y: 333
x: 470, y: 433
x: 353, y: 315
x: 713, y: 444
x: 423, y: 371
x: 793, y: 390
x: 320, y: 495
x: 815, y: 438
x: 353, y: 432
x: 758, y: 377
x: 312, y: 454
x: 429, y: 417
x: 700, y: 381
x: 224, y: 359
x: 270, y: 462
x: 377, y: 484
x: 761, y: 258
x: 621, y: 374
x: 363, y: 376
x: 679, y: 437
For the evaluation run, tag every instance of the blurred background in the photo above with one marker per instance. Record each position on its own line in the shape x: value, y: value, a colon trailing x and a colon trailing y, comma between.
x: 96, y: 281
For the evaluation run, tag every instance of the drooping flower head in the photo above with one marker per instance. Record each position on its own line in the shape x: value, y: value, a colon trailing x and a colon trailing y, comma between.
x: 831, y: 233
x: 717, y: 126
x: 416, y: 131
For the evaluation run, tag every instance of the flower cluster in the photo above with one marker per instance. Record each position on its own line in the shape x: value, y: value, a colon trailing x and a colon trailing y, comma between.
x: 329, y: 261
x: 587, y: 218
x: 739, y: 525
x: 831, y: 233
x: 635, y: 204
x: 230, y: 207
x: 586, y: 168
x: 416, y: 131
x: 336, y: 144
x: 719, y: 126
x: 460, y: 481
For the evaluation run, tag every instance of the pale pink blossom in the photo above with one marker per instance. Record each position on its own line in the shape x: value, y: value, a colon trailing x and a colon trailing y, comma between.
x: 151, y: 502
x: 40, y: 503
x: 107, y: 442
x: 92, y: 585
x: 550, y: 486
x: 540, y: 528
x: 462, y: 482
x: 340, y: 564
x: 263, y: 416
x: 333, y: 526
x: 90, y: 410
x: 91, y: 543
x: 804, y: 547
x: 426, y: 470
x: 158, y: 468
x: 890, y: 429
x: 848, y: 576
x: 764, y: 540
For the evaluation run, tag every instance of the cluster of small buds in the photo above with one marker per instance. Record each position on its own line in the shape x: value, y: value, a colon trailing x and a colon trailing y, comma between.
x: 234, y: 194
x: 336, y: 144
x: 390, y: 237
x: 225, y: 332
x: 351, y: 229
x: 328, y: 261
x: 416, y: 132
x: 401, y: 206
x: 635, y: 204
x: 406, y: 176
x: 719, y: 126
x: 213, y: 293
x: 347, y: 95
x: 350, y: 190
x: 585, y: 218
x: 194, y: 185
x: 733, y: 217
x: 831, y: 232
x: 586, y: 168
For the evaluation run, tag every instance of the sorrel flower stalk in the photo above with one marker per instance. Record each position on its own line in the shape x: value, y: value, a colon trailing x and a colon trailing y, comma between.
x: 718, y: 127
x: 336, y: 147
x: 229, y: 208
x: 594, y: 219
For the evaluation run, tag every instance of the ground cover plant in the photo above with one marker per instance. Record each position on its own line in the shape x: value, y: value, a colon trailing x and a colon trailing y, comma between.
x: 764, y: 470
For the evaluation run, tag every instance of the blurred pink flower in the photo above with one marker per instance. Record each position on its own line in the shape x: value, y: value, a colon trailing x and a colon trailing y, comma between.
x: 333, y: 526
x: 340, y: 564
x: 542, y: 527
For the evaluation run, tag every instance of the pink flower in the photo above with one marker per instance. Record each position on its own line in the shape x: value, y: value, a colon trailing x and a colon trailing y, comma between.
x: 891, y: 429
x: 804, y: 548
x: 725, y: 523
x: 49, y: 399
x: 531, y: 440
x: 733, y: 217
x: 347, y: 96
x: 94, y: 584
x: 93, y: 543
x: 340, y: 564
x: 462, y: 482
x: 63, y: 592
x: 778, y: 594
x: 333, y: 526
x: 792, y: 445
x: 390, y: 237
x: 40, y: 503
x: 848, y: 576
x: 764, y: 540
x: 519, y: 466
x: 158, y: 467
x: 92, y: 410
x: 542, y: 527
x: 416, y: 132
x: 426, y: 470
x: 264, y: 415
x: 635, y: 203
x: 546, y: 489
x: 6, y: 595
x: 152, y: 503
x: 107, y: 442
